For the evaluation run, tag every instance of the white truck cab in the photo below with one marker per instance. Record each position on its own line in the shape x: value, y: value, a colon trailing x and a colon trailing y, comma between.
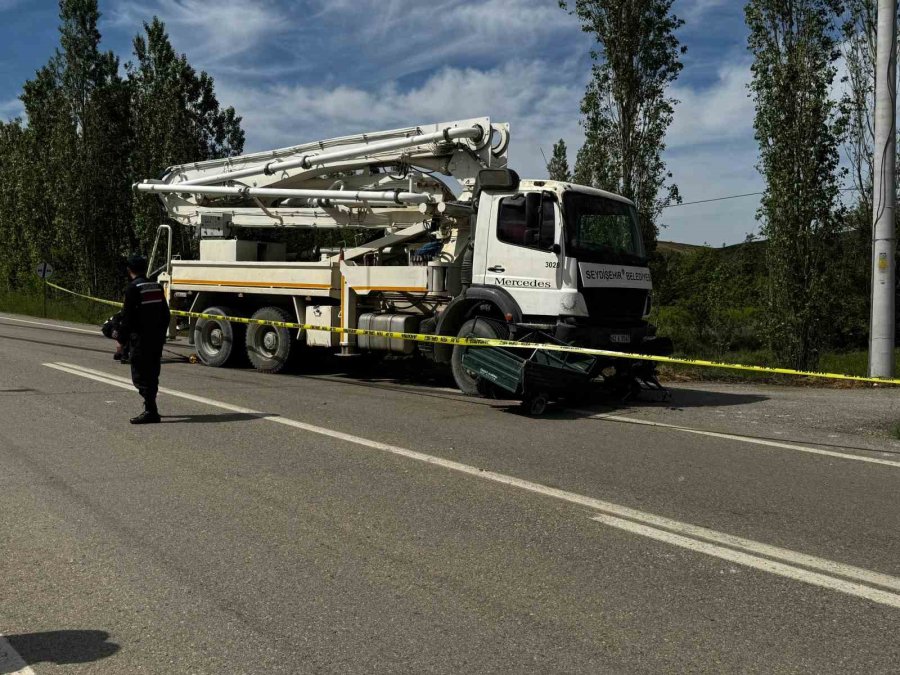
x: 570, y: 256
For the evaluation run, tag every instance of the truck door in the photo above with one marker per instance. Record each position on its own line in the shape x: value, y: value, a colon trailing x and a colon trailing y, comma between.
x: 520, y: 255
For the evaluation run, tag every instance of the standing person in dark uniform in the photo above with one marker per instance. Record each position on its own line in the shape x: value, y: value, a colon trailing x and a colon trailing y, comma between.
x: 145, y: 321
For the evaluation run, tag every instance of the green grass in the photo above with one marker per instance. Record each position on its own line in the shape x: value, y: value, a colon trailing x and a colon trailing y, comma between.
x: 59, y: 306
x: 843, y: 363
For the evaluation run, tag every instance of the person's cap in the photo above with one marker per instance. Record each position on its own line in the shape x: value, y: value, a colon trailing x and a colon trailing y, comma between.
x: 137, y: 263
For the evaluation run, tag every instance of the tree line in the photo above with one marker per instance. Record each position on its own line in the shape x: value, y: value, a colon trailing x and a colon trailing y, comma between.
x: 93, y: 128
x: 812, y: 291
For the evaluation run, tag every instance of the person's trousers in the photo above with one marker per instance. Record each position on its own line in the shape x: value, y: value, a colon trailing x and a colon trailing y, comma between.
x: 146, y: 356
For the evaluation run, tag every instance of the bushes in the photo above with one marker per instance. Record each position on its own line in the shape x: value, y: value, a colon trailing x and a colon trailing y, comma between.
x: 711, y: 302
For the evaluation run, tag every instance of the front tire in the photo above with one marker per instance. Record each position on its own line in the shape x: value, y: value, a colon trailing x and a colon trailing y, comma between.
x: 466, y: 381
x: 268, y: 347
x: 218, y: 342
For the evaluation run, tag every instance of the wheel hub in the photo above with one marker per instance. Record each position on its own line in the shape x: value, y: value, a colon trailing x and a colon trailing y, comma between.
x: 270, y: 341
x: 215, y: 338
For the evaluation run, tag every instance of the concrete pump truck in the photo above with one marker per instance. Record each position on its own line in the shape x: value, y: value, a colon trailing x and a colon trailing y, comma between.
x: 455, y: 236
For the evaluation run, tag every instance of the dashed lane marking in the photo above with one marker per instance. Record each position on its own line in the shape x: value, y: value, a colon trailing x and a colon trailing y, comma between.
x: 821, y: 572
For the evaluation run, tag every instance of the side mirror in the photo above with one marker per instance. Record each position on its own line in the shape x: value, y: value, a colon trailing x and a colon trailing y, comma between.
x: 505, y: 180
x: 556, y: 248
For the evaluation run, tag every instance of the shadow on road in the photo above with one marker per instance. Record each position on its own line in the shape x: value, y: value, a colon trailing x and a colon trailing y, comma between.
x: 601, y: 401
x: 214, y: 418
x: 62, y: 647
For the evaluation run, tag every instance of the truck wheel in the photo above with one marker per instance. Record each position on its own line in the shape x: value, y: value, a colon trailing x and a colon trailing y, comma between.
x: 268, y: 347
x: 218, y: 342
x: 466, y: 381
x: 536, y: 405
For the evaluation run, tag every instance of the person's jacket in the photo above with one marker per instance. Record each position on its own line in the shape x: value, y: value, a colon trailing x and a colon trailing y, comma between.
x: 145, y: 312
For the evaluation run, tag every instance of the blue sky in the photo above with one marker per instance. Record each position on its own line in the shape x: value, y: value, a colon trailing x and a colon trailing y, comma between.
x: 300, y: 70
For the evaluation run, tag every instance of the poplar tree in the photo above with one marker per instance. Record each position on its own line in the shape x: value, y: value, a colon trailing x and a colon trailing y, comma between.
x: 558, y: 166
x: 13, y: 254
x: 626, y: 110
x: 175, y: 116
x: 44, y: 151
x: 78, y: 140
x: 795, y: 45
x: 66, y: 174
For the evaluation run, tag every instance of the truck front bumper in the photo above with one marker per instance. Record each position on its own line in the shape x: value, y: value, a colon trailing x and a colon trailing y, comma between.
x: 634, y: 338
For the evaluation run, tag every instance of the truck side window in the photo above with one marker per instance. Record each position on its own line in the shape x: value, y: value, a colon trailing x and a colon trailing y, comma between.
x: 512, y: 226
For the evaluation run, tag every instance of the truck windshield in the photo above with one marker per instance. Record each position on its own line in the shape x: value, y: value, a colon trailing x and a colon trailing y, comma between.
x: 599, y: 229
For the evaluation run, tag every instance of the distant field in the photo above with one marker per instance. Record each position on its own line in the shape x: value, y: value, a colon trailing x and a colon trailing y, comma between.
x: 676, y: 247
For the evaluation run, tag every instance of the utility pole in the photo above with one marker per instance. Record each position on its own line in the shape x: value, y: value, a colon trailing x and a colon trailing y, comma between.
x: 883, y: 326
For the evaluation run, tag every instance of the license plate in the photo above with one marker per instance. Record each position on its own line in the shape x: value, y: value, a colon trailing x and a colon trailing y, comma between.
x: 619, y: 338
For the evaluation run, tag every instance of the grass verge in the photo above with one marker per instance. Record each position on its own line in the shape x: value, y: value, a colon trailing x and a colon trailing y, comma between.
x: 844, y: 363
x: 59, y: 306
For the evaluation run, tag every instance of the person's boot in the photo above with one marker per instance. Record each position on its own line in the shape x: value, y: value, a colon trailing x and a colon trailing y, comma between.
x: 147, y: 417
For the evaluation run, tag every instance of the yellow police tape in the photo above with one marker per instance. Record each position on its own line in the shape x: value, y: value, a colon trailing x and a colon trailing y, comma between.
x: 492, y: 342
x: 82, y: 295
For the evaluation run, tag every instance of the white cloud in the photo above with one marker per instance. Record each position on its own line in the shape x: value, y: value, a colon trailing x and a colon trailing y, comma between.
x: 210, y: 34
x: 540, y: 106
x: 712, y: 153
x: 405, y: 37
x: 11, y: 109
x: 484, y: 22
x: 692, y: 10
x: 719, y: 112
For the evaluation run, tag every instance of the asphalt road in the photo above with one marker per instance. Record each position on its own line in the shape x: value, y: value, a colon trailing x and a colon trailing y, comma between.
x: 319, y: 522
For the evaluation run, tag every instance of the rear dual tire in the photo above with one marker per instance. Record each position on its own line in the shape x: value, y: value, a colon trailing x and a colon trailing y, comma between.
x: 221, y: 343
x: 269, y: 348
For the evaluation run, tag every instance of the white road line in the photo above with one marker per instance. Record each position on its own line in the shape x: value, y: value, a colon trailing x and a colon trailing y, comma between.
x: 10, y: 661
x: 54, y: 325
x: 703, y: 536
x: 771, y: 566
x: 743, y: 439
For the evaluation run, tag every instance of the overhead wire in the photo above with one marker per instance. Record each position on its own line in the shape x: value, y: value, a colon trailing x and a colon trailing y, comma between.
x: 746, y: 194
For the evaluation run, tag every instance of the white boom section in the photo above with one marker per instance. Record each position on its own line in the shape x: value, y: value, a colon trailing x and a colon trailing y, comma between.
x: 317, y: 160
x: 395, y: 196
x: 375, y: 180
